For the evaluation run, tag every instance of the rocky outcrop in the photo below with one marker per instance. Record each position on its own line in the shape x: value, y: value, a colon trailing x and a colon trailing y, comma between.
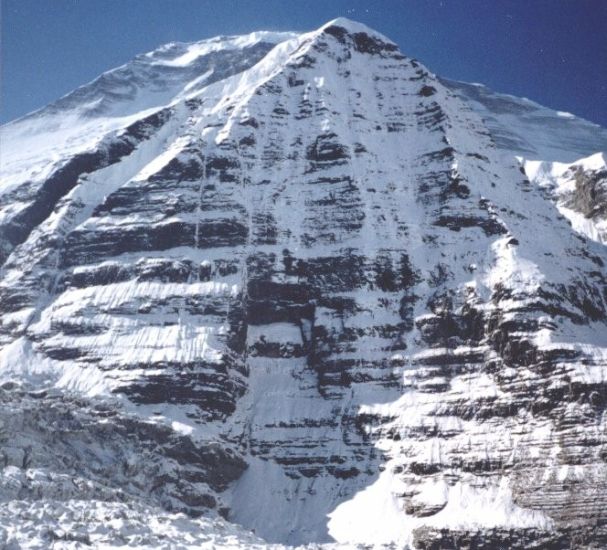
x: 578, y: 190
x: 590, y: 195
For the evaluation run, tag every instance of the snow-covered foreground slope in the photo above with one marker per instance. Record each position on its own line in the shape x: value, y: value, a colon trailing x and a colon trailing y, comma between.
x: 309, y: 288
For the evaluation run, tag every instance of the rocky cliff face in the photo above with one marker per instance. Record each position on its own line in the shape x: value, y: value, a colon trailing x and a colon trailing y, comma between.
x: 299, y: 282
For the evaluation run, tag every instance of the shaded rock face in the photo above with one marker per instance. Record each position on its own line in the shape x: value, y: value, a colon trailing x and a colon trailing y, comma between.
x: 314, y: 291
x: 590, y: 195
x: 69, y: 448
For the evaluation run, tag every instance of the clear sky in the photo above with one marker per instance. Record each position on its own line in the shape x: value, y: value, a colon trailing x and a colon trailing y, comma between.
x: 552, y: 51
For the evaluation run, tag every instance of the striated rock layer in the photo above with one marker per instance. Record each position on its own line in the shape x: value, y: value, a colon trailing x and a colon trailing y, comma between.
x: 300, y: 282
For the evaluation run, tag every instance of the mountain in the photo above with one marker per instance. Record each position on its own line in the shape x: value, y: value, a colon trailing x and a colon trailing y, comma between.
x: 296, y: 289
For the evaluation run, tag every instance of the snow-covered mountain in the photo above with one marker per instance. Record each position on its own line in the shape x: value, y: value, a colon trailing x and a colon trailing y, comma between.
x: 297, y: 285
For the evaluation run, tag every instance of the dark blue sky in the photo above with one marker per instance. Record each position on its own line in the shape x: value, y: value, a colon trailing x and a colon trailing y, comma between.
x: 552, y: 51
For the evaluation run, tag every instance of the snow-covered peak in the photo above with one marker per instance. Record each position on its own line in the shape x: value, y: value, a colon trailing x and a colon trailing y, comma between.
x: 354, y: 27
x: 298, y: 285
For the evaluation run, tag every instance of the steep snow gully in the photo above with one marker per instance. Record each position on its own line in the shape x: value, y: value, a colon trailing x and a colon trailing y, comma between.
x: 285, y: 289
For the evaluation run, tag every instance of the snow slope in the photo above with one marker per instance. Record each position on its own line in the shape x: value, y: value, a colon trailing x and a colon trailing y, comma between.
x: 530, y: 130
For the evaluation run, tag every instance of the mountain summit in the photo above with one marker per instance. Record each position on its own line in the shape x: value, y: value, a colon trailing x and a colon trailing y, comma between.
x: 298, y: 285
